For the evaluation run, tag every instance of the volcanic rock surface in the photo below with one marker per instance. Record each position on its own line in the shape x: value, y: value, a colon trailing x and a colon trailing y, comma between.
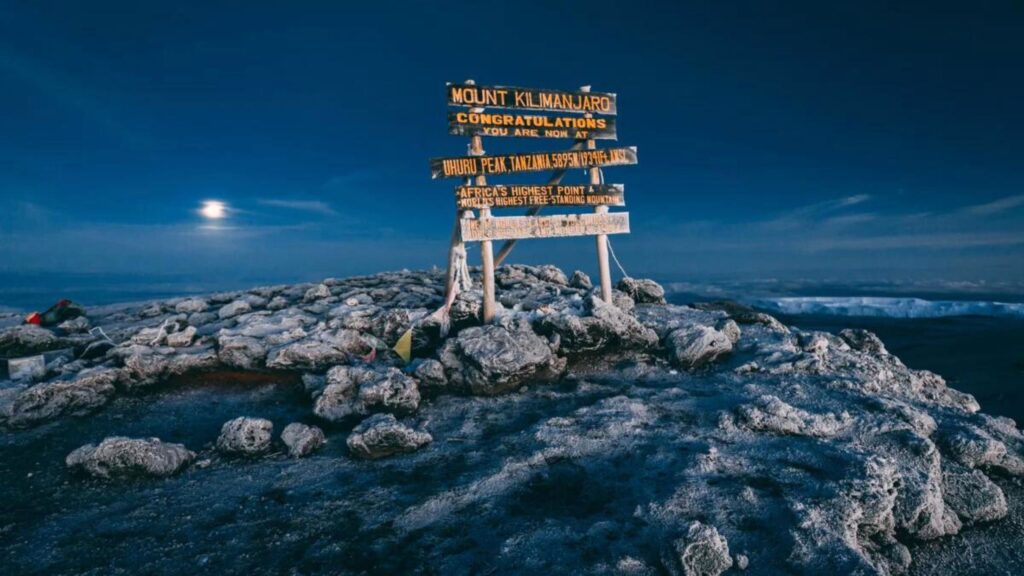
x: 567, y: 436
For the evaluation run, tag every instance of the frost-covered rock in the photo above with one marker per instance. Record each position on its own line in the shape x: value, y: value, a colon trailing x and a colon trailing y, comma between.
x: 581, y: 281
x: 430, y: 375
x: 76, y: 325
x: 971, y: 495
x: 318, y: 292
x: 643, y: 291
x: 770, y: 414
x: 119, y: 456
x: 245, y: 435
x: 598, y: 327
x: 191, y: 306
x: 382, y: 435
x: 702, y: 552
x: 243, y: 352
x: 182, y: 338
x: 360, y: 390
x: 301, y: 439
x: 496, y: 358
x: 320, y: 351
x: 233, y: 309
x: 86, y: 392
x: 697, y: 345
x: 26, y: 340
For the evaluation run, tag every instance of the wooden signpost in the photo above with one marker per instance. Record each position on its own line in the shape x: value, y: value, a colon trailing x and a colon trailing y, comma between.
x: 469, y: 123
x: 526, y: 195
x: 583, y: 116
x: 531, y: 162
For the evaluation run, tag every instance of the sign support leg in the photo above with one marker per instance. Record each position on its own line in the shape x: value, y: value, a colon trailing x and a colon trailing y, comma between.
x: 602, y: 239
x: 476, y: 148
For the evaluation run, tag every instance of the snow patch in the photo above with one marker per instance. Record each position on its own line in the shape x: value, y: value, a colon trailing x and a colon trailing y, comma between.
x: 890, y: 307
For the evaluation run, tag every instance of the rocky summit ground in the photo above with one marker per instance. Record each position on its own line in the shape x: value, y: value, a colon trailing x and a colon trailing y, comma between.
x: 275, y: 431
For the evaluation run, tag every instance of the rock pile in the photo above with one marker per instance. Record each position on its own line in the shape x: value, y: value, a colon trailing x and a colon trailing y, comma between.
x: 708, y: 430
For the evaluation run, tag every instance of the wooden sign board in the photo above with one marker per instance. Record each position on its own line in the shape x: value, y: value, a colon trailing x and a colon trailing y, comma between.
x: 522, y: 227
x: 528, y: 195
x: 460, y: 166
x: 469, y: 123
x: 530, y: 99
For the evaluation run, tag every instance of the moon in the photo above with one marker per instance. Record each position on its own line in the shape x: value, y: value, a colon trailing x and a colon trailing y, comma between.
x: 213, y: 210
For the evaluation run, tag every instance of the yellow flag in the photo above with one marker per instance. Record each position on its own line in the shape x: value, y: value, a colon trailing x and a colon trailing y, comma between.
x: 404, y: 346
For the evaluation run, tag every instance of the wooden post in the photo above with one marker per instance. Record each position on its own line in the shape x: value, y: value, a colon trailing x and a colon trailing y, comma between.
x: 457, y: 277
x: 602, y: 239
x: 476, y: 148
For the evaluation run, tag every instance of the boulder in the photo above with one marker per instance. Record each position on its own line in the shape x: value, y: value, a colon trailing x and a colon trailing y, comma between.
x: 643, y: 291
x: 697, y: 345
x: 318, y: 292
x: 88, y: 391
x: 549, y: 273
x: 488, y: 360
x: 191, y: 306
x: 430, y: 375
x: 971, y: 495
x: 863, y: 341
x: 278, y: 303
x: 26, y: 340
x: 233, y: 309
x: 466, y: 310
x: 320, y: 351
x: 76, y: 325
x: 382, y: 435
x: 245, y: 435
x: 242, y: 352
x: 742, y: 314
x: 391, y: 324
x: 301, y: 439
x: 702, y: 552
x: 580, y: 280
x: 601, y: 328
x: 182, y: 338
x: 144, y: 366
x: 119, y: 456
x: 360, y: 390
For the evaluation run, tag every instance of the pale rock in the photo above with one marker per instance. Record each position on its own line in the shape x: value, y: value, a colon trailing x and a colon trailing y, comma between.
x: 233, y: 309
x: 181, y: 339
x: 697, y: 345
x: 245, y: 435
x: 381, y: 435
x: 118, y: 456
x: 191, y: 306
x: 301, y: 439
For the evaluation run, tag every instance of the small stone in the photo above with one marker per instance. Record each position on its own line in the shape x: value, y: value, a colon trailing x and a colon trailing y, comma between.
x: 301, y: 439
x: 245, y: 435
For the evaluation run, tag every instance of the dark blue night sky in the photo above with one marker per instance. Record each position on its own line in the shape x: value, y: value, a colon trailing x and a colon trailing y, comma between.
x: 850, y: 140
